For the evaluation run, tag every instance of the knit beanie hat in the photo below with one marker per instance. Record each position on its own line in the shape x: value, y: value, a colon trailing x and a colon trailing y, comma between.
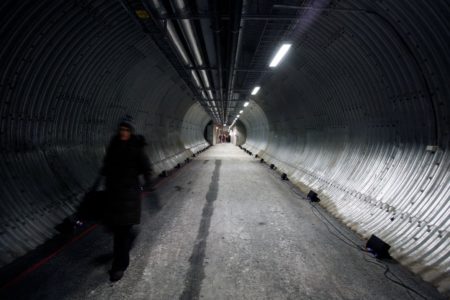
x: 127, y: 121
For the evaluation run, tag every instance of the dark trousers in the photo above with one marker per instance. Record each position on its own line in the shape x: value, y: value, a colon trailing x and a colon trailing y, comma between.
x: 123, y: 239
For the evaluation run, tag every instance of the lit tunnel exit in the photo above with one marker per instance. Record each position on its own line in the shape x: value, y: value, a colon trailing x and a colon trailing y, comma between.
x: 235, y: 134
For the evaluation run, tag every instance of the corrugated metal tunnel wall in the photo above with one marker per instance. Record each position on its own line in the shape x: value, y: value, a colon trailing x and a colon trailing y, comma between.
x: 239, y: 133
x: 350, y: 114
x: 69, y: 71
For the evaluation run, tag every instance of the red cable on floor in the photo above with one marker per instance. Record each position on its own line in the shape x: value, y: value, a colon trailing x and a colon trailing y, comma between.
x: 42, y: 262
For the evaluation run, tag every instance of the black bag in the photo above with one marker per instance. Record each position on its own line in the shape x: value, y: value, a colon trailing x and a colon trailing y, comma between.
x: 92, y: 206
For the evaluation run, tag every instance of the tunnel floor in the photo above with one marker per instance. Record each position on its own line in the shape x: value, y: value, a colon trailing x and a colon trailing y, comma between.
x: 229, y: 229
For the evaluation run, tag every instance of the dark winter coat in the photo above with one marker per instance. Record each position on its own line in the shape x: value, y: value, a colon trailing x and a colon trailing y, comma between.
x: 123, y: 163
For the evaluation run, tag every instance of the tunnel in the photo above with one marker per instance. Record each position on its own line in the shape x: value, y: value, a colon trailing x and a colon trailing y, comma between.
x: 356, y: 111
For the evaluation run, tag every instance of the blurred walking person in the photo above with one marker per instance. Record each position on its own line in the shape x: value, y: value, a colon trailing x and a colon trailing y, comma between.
x: 125, y: 160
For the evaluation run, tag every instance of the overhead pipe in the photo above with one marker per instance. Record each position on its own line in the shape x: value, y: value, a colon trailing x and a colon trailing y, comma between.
x: 173, y: 36
x: 176, y: 41
x: 188, y: 31
x: 235, y: 66
x: 236, y: 61
x: 215, y: 21
x: 210, y: 94
x: 235, y: 31
x: 190, y: 37
x: 205, y: 79
x: 196, y: 79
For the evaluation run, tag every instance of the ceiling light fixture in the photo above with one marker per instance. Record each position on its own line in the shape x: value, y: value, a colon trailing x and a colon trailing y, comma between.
x: 256, y: 90
x: 279, y: 55
x: 246, y: 104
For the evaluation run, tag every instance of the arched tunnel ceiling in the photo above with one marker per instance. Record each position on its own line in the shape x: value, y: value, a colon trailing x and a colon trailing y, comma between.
x: 349, y: 112
x: 69, y: 71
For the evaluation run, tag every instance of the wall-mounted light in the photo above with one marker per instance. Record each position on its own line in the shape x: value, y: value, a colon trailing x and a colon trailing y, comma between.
x: 279, y: 55
x: 256, y: 90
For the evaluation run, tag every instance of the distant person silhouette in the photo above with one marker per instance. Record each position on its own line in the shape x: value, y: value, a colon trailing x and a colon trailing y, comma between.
x: 125, y: 160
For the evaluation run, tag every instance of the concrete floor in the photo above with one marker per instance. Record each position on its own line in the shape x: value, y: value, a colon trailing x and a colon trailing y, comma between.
x: 229, y: 229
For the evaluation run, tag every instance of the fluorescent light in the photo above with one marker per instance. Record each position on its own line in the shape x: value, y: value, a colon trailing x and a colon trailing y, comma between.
x: 256, y: 90
x: 241, y: 111
x: 280, y: 54
x: 246, y: 104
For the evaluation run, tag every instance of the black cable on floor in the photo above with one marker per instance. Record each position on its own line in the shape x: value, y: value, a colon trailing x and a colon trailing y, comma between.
x: 398, y: 281
x: 358, y: 247
x: 354, y: 245
x: 346, y: 240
